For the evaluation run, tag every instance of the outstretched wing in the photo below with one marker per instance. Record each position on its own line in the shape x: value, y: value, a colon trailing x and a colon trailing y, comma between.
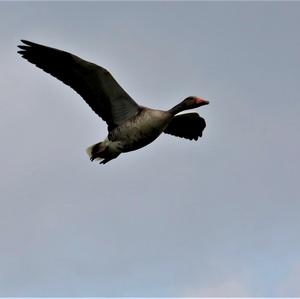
x: 188, y: 125
x: 94, y: 83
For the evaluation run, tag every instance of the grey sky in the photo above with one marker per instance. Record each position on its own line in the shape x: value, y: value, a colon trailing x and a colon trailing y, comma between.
x: 217, y: 217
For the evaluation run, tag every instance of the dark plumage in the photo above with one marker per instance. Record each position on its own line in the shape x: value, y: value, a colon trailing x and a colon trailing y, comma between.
x: 130, y: 126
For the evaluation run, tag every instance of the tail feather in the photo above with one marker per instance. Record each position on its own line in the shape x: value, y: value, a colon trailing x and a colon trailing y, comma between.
x: 94, y: 151
x: 89, y: 150
x: 103, y: 151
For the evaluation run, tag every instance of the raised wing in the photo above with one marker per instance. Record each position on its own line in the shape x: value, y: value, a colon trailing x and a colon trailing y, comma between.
x: 188, y: 125
x: 94, y: 83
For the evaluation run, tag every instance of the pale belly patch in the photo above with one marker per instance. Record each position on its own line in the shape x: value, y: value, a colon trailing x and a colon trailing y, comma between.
x: 140, y: 131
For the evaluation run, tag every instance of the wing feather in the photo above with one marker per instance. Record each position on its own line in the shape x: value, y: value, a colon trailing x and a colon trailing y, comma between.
x: 94, y: 83
x: 188, y: 125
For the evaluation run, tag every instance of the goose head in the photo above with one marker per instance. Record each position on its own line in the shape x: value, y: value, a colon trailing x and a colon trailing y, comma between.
x: 189, y: 103
x: 193, y: 102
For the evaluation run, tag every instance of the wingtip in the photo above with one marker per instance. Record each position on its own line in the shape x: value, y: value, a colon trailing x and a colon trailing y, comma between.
x: 25, y: 47
x: 22, y: 47
x: 26, y: 42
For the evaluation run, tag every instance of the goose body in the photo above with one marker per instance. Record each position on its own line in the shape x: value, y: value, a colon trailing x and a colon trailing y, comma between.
x: 130, y: 126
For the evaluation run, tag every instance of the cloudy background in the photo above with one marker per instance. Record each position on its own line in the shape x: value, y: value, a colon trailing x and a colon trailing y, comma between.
x: 217, y: 217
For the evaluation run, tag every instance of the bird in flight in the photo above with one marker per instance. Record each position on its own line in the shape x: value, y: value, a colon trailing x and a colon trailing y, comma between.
x: 130, y: 125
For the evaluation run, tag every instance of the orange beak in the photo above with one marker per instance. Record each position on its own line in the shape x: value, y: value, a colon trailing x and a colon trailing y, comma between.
x: 201, y: 102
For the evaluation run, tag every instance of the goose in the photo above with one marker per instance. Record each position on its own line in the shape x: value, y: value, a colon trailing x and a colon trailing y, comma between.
x: 130, y: 125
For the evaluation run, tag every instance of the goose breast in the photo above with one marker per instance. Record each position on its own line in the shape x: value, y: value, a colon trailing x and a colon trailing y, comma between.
x: 142, y: 129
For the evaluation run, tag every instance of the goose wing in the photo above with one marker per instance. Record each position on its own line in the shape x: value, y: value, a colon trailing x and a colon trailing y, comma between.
x: 94, y: 83
x: 188, y: 125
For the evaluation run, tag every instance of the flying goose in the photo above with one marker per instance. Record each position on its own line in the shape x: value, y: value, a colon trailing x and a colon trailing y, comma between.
x: 130, y: 125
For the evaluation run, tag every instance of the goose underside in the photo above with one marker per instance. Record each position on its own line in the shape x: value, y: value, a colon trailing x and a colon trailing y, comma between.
x: 132, y: 135
x: 139, y: 141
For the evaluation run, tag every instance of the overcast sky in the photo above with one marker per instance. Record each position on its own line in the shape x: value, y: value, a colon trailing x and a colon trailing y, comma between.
x: 217, y: 217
